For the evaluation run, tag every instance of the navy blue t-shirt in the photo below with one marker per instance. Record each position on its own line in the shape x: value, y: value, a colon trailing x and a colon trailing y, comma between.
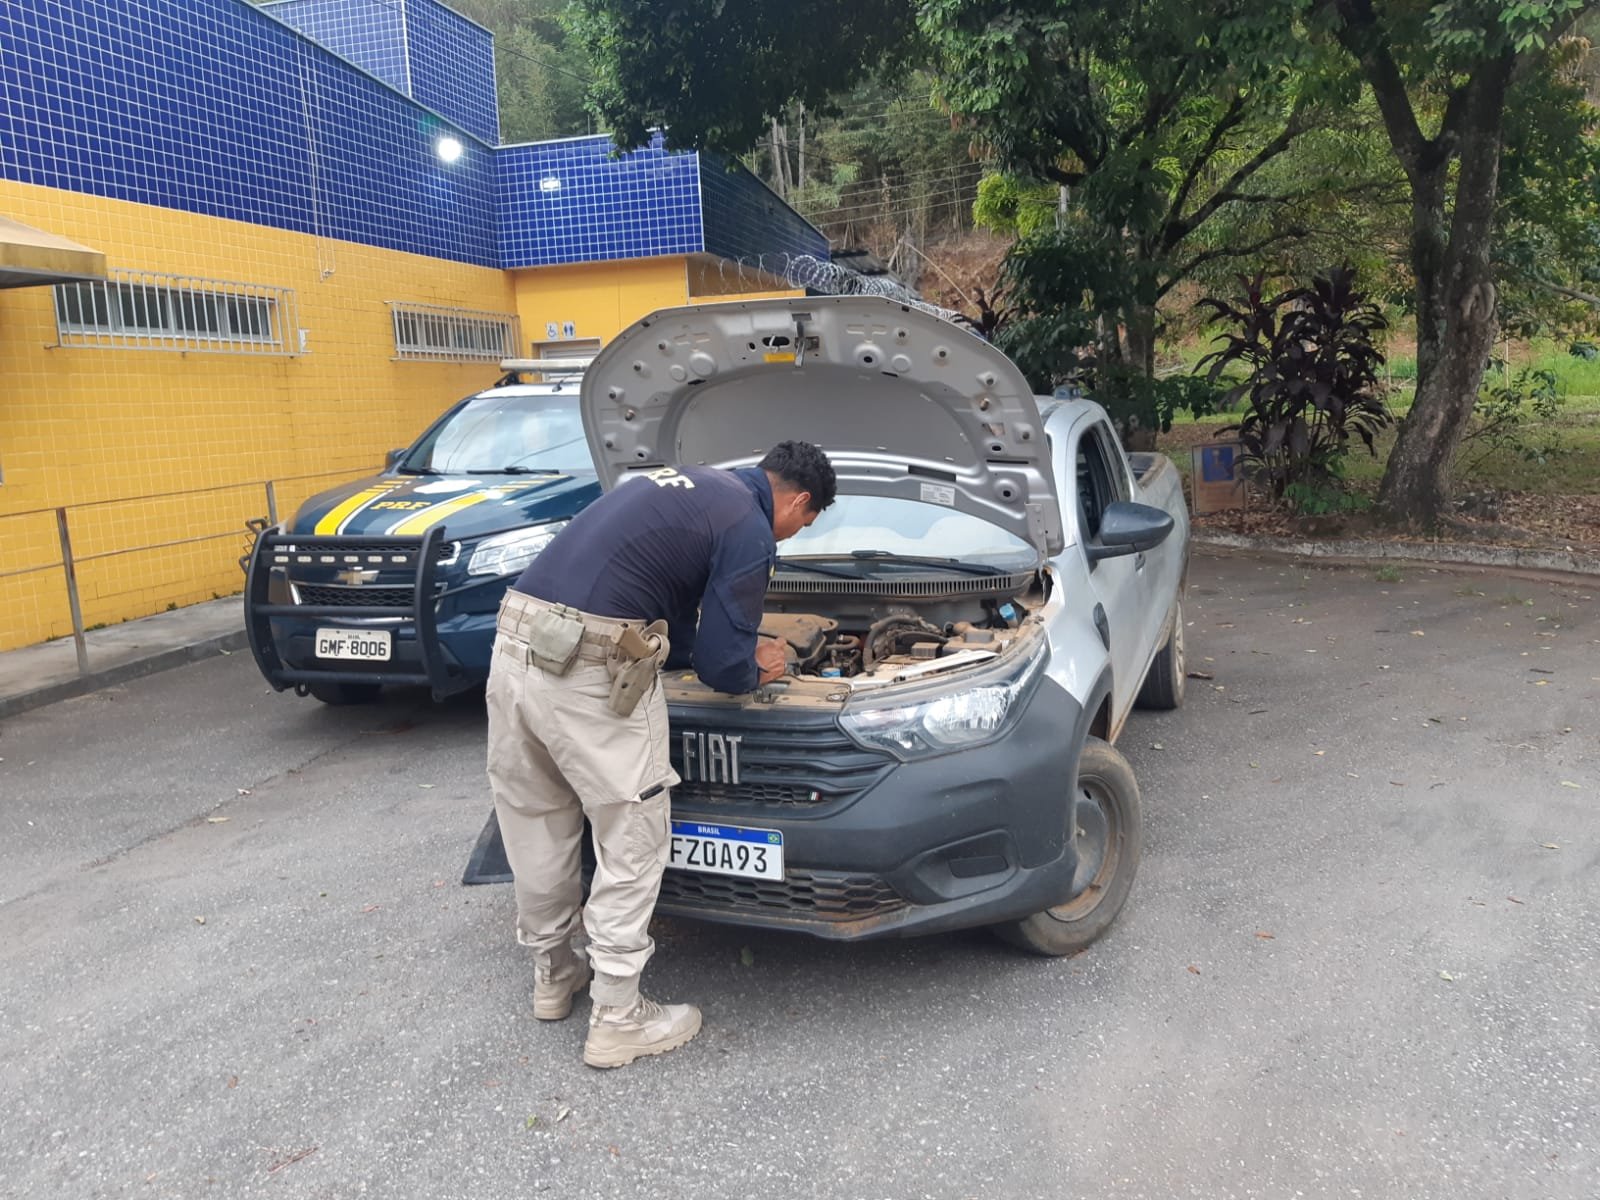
x: 673, y: 545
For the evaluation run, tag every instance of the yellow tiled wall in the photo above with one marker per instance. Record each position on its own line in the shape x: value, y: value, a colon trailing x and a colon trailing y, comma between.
x: 112, y: 433
x: 598, y: 299
x: 150, y: 447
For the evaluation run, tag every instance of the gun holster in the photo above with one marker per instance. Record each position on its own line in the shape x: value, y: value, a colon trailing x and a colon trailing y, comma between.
x: 634, y: 662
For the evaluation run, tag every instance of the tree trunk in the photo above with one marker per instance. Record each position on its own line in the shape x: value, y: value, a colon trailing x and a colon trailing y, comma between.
x: 1140, y: 337
x: 1456, y: 313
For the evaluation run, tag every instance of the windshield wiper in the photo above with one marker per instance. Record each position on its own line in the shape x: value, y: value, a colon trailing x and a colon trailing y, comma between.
x: 511, y: 470
x: 405, y: 470
x: 818, y: 568
x: 948, y: 564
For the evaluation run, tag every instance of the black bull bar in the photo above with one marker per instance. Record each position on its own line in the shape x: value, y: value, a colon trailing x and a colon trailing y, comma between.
x: 421, y: 555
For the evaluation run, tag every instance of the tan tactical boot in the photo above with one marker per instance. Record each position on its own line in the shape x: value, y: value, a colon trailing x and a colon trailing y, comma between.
x: 556, y: 982
x: 618, y: 1035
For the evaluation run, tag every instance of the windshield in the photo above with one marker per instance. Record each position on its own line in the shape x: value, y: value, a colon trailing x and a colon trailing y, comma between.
x: 889, y: 526
x: 542, y: 432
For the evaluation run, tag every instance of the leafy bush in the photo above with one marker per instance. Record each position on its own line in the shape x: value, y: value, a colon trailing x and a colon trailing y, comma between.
x: 1502, y: 417
x: 1312, y: 379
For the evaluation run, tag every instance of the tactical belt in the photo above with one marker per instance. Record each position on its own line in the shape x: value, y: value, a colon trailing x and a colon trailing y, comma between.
x: 554, y: 636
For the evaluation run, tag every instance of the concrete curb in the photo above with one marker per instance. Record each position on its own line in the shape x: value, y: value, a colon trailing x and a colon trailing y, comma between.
x: 1565, y: 562
x: 122, y: 672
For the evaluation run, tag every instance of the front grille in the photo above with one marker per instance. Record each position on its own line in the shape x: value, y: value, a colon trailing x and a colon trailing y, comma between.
x: 352, y: 597
x: 775, y: 794
x: 827, y: 895
x: 782, y: 761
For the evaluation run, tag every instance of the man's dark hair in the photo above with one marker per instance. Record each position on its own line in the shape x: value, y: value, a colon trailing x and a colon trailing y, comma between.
x: 804, y: 468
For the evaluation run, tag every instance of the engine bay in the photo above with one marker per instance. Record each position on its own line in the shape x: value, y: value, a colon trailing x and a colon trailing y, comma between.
x: 837, y: 645
x: 821, y: 647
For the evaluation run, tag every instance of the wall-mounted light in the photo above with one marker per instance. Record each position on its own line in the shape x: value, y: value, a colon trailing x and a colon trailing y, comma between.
x: 448, y: 148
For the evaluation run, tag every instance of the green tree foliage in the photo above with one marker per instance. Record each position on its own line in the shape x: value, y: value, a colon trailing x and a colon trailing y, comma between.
x: 713, y: 73
x: 1189, y: 137
x: 1158, y: 116
x: 1019, y: 207
x: 883, y: 161
x: 1491, y: 139
x: 542, y: 74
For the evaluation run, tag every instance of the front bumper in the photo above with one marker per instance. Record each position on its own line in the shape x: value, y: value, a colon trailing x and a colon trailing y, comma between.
x: 877, y: 848
x: 441, y: 636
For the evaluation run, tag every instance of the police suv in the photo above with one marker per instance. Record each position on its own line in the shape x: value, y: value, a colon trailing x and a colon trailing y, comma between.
x: 397, y: 578
x: 968, y: 627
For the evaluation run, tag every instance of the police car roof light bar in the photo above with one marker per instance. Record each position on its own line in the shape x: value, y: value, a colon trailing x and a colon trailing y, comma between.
x: 546, y: 366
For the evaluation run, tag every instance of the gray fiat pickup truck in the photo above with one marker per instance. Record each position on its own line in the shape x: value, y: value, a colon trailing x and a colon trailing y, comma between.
x: 968, y: 627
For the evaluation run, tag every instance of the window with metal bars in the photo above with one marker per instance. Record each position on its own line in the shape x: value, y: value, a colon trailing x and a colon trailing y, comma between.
x: 144, y: 310
x: 432, y: 333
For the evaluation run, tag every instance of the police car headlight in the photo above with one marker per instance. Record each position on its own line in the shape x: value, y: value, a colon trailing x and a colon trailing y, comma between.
x: 970, y: 710
x: 510, y: 553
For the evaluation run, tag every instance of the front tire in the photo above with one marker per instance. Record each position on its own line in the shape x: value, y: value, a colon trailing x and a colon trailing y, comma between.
x: 1164, y: 683
x: 341, y: 694
x: 1109, y: 834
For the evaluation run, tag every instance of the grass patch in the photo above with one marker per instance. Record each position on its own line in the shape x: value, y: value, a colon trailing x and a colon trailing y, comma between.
x: 1388, y: 574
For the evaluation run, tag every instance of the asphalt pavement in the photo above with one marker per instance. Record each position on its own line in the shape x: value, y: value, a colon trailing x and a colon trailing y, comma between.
x: 1362, y: 957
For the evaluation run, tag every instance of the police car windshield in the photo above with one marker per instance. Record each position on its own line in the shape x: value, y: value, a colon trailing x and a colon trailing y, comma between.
x: 860, y: 528
x: 515, y: 434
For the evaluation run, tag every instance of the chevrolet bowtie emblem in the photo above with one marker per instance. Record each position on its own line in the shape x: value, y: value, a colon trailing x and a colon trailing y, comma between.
x: 355, y: 577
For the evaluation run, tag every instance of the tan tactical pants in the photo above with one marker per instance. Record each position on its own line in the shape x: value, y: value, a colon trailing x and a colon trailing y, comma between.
x: 557, y: 753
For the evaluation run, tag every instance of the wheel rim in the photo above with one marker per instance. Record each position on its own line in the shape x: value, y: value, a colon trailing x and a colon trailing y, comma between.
x: 1099, y: 841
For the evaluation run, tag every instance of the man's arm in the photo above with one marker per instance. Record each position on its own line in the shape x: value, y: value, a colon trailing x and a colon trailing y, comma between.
x: 731, y: 609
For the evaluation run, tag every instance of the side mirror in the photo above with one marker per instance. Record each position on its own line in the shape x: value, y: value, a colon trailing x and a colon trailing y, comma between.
x: 1129, y: 528
x: 393, y: 457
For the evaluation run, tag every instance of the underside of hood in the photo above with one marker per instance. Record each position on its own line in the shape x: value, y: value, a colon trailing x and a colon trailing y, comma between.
x: 904, y: 403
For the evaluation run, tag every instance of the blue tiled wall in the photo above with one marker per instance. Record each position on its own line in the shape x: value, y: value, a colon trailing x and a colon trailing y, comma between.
x: 212, y: 106
x: 452, y: 67
x: 745, y: 220
x: 370, y: 33
x: 570, y: 201
x: 420, y: 47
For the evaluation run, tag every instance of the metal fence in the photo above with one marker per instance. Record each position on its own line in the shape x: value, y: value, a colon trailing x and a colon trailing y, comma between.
x: 264, y: 491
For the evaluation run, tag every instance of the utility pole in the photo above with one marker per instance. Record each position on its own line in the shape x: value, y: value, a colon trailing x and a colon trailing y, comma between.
x: 780, y: 161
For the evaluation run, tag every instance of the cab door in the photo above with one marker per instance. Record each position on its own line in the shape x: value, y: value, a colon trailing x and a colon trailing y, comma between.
x: 1117, y: 583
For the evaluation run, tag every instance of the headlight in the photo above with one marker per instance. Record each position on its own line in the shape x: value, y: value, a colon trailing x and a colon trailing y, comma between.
x: 509, y: 553
x: 980, y: 711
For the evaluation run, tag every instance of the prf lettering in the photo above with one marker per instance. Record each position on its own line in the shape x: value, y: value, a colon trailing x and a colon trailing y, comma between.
x: 668, y: 477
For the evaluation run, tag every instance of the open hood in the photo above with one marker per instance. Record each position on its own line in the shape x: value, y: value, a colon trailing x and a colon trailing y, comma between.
x: 904, y: 403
